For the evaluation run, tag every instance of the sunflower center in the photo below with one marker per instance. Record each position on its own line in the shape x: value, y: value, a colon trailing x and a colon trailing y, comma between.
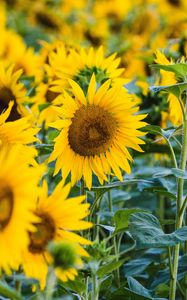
x: 175, y: 2
x: 6, y: 96
x: 45, y: 232
x: 11, y: 2
x: 6, y: 206
x: 45, y: 20
x: 92, y: 131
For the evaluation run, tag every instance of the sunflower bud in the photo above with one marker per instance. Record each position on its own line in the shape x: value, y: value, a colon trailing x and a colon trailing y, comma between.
x: 63, y: 254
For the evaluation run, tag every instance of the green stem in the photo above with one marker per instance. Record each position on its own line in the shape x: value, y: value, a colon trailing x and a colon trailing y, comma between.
x: 172, y: 153
x: 95, y: 288
x: 94, y: 205
x: 180, y: 289
x: 97, y: 220
x: 116, y: 246
x: 182, y: 108
x: 18, y: 286
x: 82, y: 191
x: 182, y: 210
x: 51, y: 282
x: 179, y: 215
x: 170, y: 262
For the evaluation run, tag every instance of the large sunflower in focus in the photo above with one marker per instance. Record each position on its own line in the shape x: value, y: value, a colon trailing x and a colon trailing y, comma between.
x: 58, y: 217
x: 18, y: 191
x: 11, y: 90
x: 96, y: 132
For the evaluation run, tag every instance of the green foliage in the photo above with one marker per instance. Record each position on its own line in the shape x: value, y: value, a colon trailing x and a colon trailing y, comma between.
x: 129, y: 257
x: 110, y: 267
x: 179, y: 69
x: 138, y: 292
x: 147, y: 231
x: 121, y: 218
x: 176, y: 89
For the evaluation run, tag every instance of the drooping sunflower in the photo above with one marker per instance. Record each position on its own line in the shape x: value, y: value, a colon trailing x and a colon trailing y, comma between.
x: 59, y: 216
x: 80, y: 65
x: 11, y: 90
x: 96, y: 132
x: 168, y: 78
x: 18, y: 192
x: 16, y: 132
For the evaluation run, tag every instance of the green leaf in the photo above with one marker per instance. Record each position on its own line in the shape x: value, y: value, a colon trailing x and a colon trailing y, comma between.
x: 76, y: 285
x: 121, y: 218
x: 106, y: 282
x: 162, y: 290
x: 110, y: 267
x: 163, y: 276
x: 175, y: 89
x: 163, y: 173
x: 107, y: 227
x: 119, y: 294
x: 180, y: 69
x: 52, y: 134
x: 153, y: 129
x: 147, y: 232
x: 117, y: 184
x: 138, y: 291
x: 136, y: 266
x: 179, y: 173
x: 43, y: 106
x: 164, y: 193
x: 173, y: 171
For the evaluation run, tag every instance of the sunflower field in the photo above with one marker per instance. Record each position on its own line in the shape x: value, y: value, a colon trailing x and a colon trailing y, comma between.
x: 93, y: 149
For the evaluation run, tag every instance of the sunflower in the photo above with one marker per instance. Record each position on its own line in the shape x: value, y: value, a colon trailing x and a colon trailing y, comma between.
x: 47, y: 48
x: 68, y: 6
x: 79, y: 65
x: 16, y: 132
x: 44, y: 103
x: 41, y: 15
x: 112, y: 9
x: 29, y: 62
x: 173, y: 9
x: 18, y: 187
x: 58, y: 217
x: 11, y: 89
x: 9, y: 38
x: 96, y: 131
x: 168, y: 78
x: 50, y: 59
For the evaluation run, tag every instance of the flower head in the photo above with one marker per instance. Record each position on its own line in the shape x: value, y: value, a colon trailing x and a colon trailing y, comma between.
x: 18, y: 191
x: 96, y: 132
x: 58, y: 216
